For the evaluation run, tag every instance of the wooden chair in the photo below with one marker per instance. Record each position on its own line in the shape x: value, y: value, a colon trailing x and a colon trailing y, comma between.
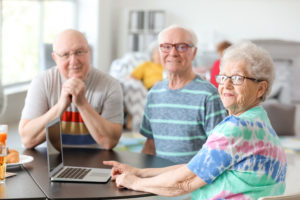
x: 282, y: 197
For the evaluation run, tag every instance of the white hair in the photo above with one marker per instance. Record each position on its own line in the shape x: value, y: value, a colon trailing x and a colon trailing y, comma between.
x: 194, y: 39
x: 259, y: 61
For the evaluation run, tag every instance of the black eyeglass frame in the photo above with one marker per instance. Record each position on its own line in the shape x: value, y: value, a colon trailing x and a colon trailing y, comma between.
x: 227, y: 77
x: 78, y: 52
x: 175, y: 46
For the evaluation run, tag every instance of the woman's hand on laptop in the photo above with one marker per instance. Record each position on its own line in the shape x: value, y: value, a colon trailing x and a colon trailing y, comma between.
x: 119, y: 168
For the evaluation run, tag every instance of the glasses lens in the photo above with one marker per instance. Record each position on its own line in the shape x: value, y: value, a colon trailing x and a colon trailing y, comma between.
x: 221, y: 79
x: 65, y: 56
x: 165, y: 47
x: 237, y: 80
x: 79, y: 52
x: 181, y: 47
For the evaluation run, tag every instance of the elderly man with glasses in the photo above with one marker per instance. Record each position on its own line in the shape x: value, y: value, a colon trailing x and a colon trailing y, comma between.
x: 88, y: 101
x: 181, y: 111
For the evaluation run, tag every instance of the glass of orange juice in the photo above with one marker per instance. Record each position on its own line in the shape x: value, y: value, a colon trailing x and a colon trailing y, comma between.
x: 3, y: 134
x: 3, y: 154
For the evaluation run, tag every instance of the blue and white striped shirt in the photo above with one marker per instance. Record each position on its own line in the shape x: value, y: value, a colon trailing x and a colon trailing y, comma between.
x: 180, y: 120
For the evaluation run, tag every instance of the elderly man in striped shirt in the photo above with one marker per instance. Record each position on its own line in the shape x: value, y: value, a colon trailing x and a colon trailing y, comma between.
x: 182, y: 110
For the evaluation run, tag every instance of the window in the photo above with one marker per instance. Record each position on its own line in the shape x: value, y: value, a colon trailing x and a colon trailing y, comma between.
x: 25, y: 27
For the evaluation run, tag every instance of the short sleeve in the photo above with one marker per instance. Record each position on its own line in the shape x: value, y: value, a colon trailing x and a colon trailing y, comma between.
x: 36, y: 103
x: 217, y: 154
x: 145, y: 129
x: 214, y: 112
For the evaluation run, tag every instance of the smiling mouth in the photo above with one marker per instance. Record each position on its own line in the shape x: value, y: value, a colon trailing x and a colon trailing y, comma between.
x: 227, y: 95
x: 174, y: 61
x: 75, y: 68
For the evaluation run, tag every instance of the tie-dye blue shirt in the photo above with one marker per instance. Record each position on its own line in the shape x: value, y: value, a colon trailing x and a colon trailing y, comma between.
x: 180, y: 120
x: 242, y: 159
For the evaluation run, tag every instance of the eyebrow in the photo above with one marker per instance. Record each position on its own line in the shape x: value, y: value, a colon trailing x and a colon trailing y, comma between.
x: 234, y: 73
x: 76, y: 49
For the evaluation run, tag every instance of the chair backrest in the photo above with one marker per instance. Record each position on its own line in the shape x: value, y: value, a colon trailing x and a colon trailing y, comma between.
x: 46, y: 58
x: 121, y: 68
x: 282, y: 197
x: 282, y: 117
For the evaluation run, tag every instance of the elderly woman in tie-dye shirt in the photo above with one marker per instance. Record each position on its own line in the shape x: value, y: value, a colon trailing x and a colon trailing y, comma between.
x: 242, y: 158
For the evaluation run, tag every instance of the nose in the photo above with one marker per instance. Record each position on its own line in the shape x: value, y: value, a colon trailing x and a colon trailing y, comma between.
x: 173, y: 51
x: 228, y: 83
x: 73, y: 58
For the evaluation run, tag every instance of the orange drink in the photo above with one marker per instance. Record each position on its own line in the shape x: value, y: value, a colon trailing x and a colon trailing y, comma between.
x: 3, y: 134
x: 3, y: 154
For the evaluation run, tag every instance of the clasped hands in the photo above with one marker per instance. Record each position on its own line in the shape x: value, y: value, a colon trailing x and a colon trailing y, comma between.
x: 124, y: 175
x: 73, y: 91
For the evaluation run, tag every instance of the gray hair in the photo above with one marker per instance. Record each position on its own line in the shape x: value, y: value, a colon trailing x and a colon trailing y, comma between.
x: 259, y: 62
x: 194, y: 39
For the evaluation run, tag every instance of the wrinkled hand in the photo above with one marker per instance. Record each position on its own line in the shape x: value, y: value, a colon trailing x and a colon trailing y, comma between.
x: 64, y: 100
x: 119, y: 169
x: 126, y: 180
x: 75, y: 88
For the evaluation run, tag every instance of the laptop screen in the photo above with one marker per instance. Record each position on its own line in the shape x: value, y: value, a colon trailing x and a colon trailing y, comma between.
x: 54, y: 144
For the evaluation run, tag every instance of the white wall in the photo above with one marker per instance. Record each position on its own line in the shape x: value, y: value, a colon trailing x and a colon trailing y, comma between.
x: 94, y: 19
x: 214, y: 20
x: 88, y: 18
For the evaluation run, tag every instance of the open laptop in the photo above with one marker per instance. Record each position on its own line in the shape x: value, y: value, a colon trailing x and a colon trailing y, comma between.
x: 56, y: 169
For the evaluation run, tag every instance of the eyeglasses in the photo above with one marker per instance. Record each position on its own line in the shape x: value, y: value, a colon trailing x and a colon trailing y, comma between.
x: 77, y: 53
x: 180, y: 47
x: 236, y: 79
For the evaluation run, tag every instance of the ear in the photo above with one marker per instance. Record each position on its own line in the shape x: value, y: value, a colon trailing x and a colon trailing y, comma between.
x: 195, y: 52
x: 54, y: 57
x: 262, y: 86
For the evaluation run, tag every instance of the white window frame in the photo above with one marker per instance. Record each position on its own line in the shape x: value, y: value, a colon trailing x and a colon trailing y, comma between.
x: 17, y: 85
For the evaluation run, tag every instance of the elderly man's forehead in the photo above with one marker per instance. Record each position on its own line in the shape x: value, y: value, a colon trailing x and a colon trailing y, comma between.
x: 176, y: 35
x: 70, y: 40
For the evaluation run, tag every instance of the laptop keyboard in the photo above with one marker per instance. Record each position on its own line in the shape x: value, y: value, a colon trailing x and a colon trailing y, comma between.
x: 74, y: 173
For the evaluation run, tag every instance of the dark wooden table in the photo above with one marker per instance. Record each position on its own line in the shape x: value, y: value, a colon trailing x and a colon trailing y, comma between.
x: 21, y: 186
x: 89, y: 158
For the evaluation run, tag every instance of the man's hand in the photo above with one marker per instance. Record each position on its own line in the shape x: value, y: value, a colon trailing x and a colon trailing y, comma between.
x: 64, y: 100
x: 75, y: 88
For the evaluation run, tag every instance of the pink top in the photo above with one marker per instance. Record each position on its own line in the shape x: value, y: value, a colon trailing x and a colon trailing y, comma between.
x: 215, y: 70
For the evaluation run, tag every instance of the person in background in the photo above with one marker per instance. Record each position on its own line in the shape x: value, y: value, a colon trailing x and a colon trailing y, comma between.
x: 242, y: 157
x: 216, y: 66
x: 149, y: 72
x: 89, y: 102
x: 181, y: 111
